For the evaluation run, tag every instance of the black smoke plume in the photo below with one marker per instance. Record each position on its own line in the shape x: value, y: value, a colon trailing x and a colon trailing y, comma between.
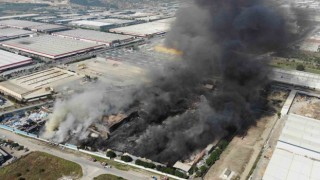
x: 219, y: 39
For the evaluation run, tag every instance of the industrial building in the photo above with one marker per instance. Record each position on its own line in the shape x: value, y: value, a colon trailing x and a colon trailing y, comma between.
x: 38, y: 85
x: 30, y: 25
x: 19, y: 16
x: 97, y: 37
x: 48, y: 28
x: 12, y: 33
x: 19, y: 24
x: 112, y: 73
x: 117, y: 22
x: 297, y: 78
x: 297, y: 153
x: 51, y: 47
x: 95, y: 25
x: 10, y: 60
x: 146, y: 29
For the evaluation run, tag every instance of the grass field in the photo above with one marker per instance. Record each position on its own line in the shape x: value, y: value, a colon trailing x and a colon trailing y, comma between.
x: 292, y: 65
x: 108, y: 177
x: 39, y: 165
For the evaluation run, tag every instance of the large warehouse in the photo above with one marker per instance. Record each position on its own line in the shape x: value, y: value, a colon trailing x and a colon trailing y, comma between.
x: 146, y: 29
x: 95, y: 36
x: 92, y: 24
x: 34, y: 26
x: 51, y: 47
x: 12, y: 33
x: 10, y: 60
x: 39, y: 84
x: 297, y: 154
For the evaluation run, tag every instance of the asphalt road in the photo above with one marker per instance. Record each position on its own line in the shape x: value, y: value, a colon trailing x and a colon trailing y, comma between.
x: 90, y: 169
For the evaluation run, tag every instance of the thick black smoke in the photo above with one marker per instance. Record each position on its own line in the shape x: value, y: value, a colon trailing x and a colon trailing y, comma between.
x: 219, y: 38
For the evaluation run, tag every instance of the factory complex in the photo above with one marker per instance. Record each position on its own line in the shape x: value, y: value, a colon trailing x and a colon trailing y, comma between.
x: 10, y: 60
x: 38, y: 85
x: 97, y: 37
x: 146, y: 29
x: 51, y: 47
x: 297, y: 153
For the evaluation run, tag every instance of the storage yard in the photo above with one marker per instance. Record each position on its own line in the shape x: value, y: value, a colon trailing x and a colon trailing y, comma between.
x: 39, y: 85
x: 51, y: 47
x: 146, y: 29
x: 10, y: 60
x: 97, y: 37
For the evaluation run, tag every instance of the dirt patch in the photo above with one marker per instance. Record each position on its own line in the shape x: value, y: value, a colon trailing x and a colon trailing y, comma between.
x: 306, y: 106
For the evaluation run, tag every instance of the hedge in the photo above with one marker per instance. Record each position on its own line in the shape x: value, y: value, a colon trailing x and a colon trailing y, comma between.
x: 145, y: 164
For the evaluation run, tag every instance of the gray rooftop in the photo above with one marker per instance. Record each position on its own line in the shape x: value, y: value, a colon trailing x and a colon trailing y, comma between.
x: 19, y: 23
x: 7, y: 59
x: 93, y: 35
x: 12, y: 32
x: 48, y: 45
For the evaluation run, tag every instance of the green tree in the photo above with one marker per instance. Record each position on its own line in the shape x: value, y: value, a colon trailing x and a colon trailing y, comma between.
x: 126, y: 158
x: 111, y: 154
x: 300, y: 67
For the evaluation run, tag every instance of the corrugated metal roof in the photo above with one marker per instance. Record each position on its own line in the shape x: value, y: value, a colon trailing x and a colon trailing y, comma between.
x: 9, y: 59
x: 297, y: 154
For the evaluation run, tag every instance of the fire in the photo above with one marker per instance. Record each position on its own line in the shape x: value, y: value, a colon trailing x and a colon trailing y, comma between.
x: 167, y: 50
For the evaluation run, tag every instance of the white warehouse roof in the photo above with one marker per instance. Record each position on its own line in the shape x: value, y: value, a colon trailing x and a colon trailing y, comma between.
x: 93, y: 36
x: 90, y: 23
x: 297, y: 154
x: 145, y: 29
x: 50, y: 46
x: 10, y: 60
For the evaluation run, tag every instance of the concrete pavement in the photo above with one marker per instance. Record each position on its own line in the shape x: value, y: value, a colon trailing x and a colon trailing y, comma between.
x: 90, y: 169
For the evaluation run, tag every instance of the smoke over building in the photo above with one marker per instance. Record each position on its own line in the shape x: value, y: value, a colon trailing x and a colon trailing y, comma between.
x: 218, y: 38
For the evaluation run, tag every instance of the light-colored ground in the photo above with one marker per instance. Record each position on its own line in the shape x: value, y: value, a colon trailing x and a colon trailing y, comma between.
x: 242, y: 152
x: 306, y: 106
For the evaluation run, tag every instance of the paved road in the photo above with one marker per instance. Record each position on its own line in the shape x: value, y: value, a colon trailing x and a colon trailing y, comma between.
x: 90, y: 169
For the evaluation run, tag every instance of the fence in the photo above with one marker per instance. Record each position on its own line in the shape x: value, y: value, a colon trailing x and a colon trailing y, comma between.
x: 73, y: 147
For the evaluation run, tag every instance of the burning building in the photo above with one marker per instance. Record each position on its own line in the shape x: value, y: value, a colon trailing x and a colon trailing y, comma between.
x: 218, y: 38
